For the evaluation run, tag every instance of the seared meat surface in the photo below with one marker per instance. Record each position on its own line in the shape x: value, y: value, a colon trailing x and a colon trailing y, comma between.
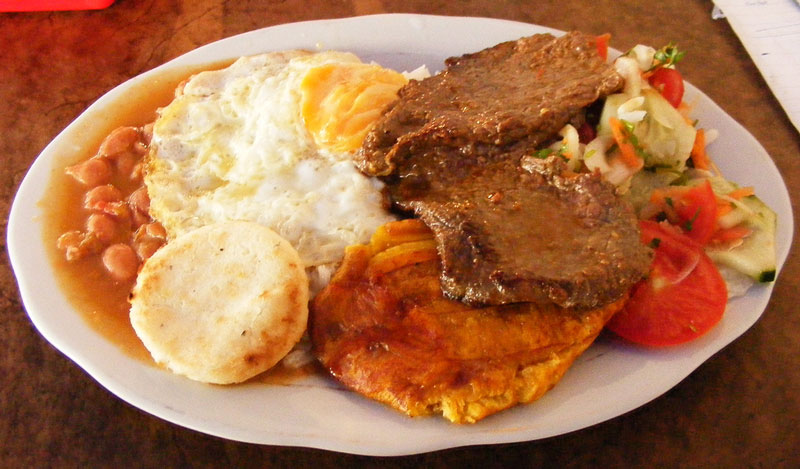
x: 513, y: 96
x: 534, y: 232
x: 454, y: 150
x: 384, y: 329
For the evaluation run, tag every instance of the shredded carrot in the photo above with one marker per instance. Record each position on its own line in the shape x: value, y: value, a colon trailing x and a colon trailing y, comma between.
x: 699, y: 155
x: 658, y: 196
x: 723, y: 208
x: 627, y: 151
x: 685, y: 110
x: 731, y: 234
x: 741, y: 193
x: 663, y: 200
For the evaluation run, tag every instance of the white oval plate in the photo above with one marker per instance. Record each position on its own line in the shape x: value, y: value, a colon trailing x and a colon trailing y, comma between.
x: 611, y: 378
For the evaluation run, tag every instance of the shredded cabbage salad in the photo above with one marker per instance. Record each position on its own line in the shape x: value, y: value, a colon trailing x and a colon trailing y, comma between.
x: 644, y: 141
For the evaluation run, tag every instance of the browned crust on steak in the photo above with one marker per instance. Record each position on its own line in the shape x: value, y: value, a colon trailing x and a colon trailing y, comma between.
x: 536, y: 232
x: 517, y: 93
x: 450, y: 148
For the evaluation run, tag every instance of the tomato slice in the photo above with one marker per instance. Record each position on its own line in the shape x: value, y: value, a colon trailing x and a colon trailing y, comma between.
x: 693, y: 209
x: 669, y: 83
x: 683, y: 297
x: 586, y: 133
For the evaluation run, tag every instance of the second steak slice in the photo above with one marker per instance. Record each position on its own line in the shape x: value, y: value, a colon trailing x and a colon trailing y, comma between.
x: 535, y: 232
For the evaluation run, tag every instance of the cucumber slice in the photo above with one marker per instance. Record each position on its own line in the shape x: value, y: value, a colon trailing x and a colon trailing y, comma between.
x: 755, y: 257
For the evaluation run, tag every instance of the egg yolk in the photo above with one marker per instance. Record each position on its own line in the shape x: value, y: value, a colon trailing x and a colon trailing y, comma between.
x: 340, y: 102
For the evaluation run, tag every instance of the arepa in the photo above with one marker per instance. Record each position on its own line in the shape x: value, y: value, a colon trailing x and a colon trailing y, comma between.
x: 221, y: 303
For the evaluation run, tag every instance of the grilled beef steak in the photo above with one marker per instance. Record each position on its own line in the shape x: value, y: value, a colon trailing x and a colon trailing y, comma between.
x: 451, y: 149
x: 515, y: 94
x: 535, y: 232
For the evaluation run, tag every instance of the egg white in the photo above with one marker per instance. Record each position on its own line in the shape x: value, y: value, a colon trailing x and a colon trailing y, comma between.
x: 233, y: 146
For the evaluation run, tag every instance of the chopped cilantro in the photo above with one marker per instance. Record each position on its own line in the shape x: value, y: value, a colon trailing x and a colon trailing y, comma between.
x: 667, y: 56
x: 629, y: 128
x: 682, y: 180
x: 562, y: 151
x: 655, y: 242
x: 546, y: 152
x: 689, y: 224
x: 543, y: 153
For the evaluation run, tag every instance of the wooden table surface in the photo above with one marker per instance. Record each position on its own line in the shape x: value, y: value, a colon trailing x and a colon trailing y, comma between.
x: 739, y: 409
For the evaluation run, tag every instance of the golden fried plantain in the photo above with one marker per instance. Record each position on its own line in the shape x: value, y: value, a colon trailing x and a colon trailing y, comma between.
x: 384, y: 329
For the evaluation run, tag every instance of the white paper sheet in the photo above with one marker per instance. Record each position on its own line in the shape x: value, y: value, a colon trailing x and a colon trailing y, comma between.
x: 770, y: 32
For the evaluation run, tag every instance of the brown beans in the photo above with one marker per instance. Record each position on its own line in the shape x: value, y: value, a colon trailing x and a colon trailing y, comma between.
x: 139, y: 203
x: 139, y: 200
x: 139, y: 148
x: 77, y: 245
x: 139, y: 218
x: 148, y: 239
x: 102, y: 226
x: 118, y: 226
x: 119, y: 140
x: 92, y: 172
x: 121, y: 261
x: 126, y: 164
x: 137, y: 173
x: 147, y: 133
x: 147, y: 247
x: 108, y: 199
x: 101, y: 195
x: 70, y: 242
x: 154, y: 230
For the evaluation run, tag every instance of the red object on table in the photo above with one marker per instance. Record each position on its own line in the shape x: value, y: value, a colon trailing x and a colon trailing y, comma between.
x: 52, y: 5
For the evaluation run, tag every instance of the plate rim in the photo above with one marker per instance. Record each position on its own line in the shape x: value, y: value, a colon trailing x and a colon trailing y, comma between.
x: 18, y: 233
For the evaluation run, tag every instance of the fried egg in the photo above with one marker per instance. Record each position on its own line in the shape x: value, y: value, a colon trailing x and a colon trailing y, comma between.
x: 270, y: 139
